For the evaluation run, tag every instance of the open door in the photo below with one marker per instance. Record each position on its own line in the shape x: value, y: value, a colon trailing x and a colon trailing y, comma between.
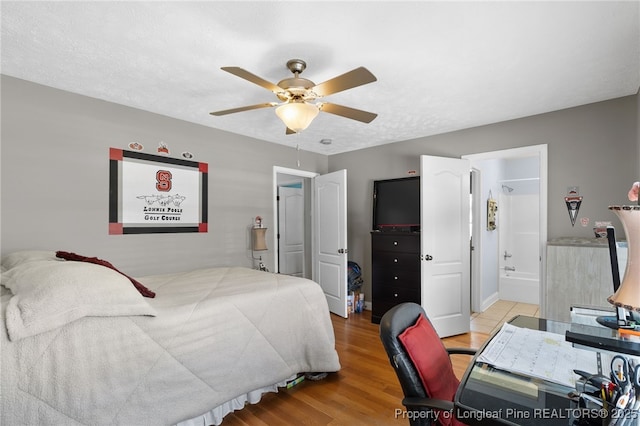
x: 445, y: 255
x: 330, y: 238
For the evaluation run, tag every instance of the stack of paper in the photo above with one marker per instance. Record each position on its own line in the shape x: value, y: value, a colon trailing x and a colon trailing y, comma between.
x: 538, y: 354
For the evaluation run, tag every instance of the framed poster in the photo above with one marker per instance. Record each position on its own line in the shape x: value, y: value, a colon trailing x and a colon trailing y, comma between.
x: 154, y: 194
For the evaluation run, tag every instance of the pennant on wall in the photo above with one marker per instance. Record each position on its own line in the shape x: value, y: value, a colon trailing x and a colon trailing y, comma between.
x: 573, y: 202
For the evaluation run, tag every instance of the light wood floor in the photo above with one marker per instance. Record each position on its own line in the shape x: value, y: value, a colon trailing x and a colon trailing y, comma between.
x: 365, y: 390
x: 492, y: 319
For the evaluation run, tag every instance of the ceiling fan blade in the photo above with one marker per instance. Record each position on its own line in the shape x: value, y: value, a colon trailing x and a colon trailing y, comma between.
x: 352, y: 113
x: 290, y: 132
x: 245, y: 108
x: 242, y: 73
x: 348, y: 80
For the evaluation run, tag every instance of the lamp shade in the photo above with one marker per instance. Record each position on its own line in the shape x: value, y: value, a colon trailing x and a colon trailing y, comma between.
x: 628, y: 294
x: 297, y: 115
x: 259, y: 242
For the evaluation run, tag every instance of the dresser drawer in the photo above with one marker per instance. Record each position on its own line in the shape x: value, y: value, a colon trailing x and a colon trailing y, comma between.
x: 401, y: 243
x: 408, y: 281
x: 396, y: 294
x: 388, y: 301
x: 395, y: 261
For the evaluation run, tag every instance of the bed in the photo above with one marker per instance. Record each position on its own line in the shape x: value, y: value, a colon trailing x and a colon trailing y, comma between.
x: 82, y: 346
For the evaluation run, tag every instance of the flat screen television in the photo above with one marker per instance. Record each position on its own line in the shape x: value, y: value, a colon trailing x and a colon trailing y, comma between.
x: 396, y: 204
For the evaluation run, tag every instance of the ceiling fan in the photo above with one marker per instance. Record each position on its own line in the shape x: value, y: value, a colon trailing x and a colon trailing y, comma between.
x: 297, y: 95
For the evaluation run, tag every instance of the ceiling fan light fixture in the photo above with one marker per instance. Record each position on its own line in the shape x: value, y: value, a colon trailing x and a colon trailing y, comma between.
x: 297, y: 115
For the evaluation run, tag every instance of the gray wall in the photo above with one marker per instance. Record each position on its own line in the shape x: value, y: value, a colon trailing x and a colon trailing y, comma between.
x: 595, y: 147
x: 54, y: 174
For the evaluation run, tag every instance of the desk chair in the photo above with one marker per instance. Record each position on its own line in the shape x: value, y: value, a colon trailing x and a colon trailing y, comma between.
x: 422, y: 364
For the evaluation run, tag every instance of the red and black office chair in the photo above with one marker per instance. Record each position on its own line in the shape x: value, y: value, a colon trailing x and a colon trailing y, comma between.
x: 422, y: 364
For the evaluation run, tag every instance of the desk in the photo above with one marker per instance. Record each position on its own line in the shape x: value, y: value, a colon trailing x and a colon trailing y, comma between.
x: 487, y: 396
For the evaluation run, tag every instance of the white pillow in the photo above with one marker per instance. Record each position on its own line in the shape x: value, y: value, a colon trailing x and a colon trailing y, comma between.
x: 48, y: 295
x: 19, y: 257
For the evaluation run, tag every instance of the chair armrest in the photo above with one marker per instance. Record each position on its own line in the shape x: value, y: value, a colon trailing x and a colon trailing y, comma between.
x: 431, y: 403
x: 461, y: 351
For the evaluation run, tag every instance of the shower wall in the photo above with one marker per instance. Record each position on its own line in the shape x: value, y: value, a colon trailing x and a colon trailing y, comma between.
x: 519, y: 231
x: 519, y: 278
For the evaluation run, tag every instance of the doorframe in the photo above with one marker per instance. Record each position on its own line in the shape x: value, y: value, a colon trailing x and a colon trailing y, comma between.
x: 278, y: 170
x: 476, y: 243
x: 527, y: 151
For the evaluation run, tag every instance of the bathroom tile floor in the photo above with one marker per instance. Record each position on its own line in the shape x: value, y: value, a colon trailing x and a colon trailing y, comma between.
x: 500, y: 312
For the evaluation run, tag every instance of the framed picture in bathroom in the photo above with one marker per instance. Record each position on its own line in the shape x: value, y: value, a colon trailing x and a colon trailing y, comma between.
x: 156, y: 194
x: 492, y: 208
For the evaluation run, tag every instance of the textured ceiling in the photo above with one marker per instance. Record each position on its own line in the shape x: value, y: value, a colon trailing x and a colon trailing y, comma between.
x: 441, y: 66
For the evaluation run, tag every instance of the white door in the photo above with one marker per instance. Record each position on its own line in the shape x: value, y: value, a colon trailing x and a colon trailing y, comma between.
x: 330, y: 238
x: 291, y: 229
x: 445, y: 256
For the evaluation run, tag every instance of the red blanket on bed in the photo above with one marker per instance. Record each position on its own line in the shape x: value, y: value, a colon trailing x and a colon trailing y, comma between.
x: 79, y: 258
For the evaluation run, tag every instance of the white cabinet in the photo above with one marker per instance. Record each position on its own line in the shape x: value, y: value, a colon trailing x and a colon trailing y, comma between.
x: 579, y: 273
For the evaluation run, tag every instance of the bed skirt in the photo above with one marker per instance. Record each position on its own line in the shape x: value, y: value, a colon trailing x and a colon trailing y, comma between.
x: 215, y: 416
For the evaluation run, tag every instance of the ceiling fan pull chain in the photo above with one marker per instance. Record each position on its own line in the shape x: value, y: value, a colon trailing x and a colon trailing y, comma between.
x: 298, y: 154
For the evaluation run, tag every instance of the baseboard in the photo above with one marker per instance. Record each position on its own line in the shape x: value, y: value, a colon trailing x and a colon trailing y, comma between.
x: 486, y: 303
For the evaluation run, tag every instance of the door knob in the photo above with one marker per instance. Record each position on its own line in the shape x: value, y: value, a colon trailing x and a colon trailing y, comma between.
x: 428, y: 257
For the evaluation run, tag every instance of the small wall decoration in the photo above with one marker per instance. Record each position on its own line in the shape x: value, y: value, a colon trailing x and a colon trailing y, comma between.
x: 163, y: 148
x: 600, y: 228
x: 153, y: 194
x: 135, y: 146
x: 573, y: 201
x: 492, y: 208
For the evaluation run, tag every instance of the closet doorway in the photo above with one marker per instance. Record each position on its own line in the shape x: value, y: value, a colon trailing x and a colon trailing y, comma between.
x: 292, y: 236
x: 319, y: 239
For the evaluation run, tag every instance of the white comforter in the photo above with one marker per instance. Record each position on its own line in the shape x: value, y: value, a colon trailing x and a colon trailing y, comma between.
x: 218, y: 333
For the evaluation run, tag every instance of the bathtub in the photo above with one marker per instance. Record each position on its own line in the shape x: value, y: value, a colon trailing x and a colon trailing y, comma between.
x: 521, y: 287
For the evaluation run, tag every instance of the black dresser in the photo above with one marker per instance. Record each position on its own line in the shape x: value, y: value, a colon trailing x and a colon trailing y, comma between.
x: 395, y: 275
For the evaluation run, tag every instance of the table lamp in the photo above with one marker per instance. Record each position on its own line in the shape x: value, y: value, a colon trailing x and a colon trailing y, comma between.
x: 628, y: 294
x: 258, y: 241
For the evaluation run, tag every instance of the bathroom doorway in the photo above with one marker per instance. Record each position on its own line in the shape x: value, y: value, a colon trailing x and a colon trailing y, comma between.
x: 522, y: 212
